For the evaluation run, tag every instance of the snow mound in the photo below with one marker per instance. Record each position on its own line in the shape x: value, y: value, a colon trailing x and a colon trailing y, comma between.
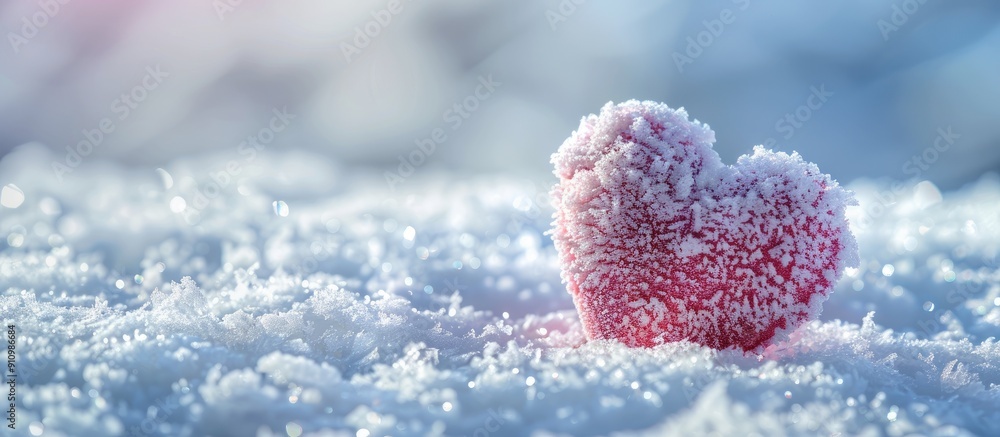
x: 438, y: 310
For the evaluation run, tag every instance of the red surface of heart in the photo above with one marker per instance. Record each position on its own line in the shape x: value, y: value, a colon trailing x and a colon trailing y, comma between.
x: 660, y: 242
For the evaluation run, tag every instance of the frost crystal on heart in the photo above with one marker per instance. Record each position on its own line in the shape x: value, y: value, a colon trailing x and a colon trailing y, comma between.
x: 659, y: 241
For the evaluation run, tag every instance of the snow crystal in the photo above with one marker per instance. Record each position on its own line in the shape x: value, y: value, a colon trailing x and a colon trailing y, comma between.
x: 661, y: 242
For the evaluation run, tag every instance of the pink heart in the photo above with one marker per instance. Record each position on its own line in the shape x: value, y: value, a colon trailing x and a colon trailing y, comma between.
x: 659, y: 241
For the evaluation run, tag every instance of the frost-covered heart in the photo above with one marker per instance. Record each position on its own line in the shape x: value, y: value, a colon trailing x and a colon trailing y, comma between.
x: 659, y: 241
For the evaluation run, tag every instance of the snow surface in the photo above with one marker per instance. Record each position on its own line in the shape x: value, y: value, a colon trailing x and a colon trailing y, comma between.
x: 660, y: 241
x: 437, y: 310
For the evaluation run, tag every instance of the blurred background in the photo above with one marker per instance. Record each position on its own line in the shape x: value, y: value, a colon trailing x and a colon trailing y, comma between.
x: 861, y: 87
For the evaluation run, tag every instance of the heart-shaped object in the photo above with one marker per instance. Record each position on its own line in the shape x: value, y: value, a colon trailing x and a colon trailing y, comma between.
x: 659, y: 241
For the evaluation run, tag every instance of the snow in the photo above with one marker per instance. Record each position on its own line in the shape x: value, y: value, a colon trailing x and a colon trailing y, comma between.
x: 437, y: 309
x: 659, y: 241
